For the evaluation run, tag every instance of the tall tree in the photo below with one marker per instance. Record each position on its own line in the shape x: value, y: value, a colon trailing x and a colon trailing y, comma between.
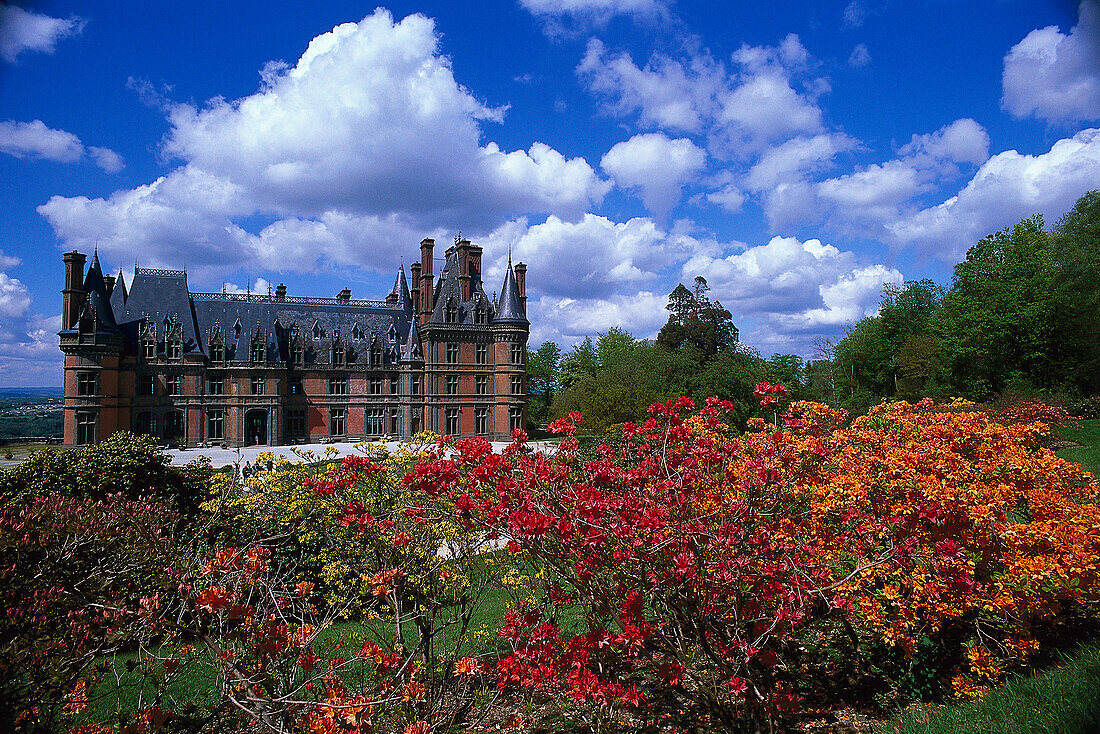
x: 542, y: 381
x: 1075, y: 246
x: 697, y: 321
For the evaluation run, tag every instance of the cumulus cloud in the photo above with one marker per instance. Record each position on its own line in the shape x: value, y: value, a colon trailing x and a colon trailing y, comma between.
x: 567, y: 17
x: 22, y: 30
x: 569, y: 320
x: 656, y: 166
x: 768, y: 95
x: 369, y: 127
x: 28, y: 341
x: 35, y: 140
x: 1054, y: 76
x: 14, y: 297
x: 795, y: 288
x: 1006, y: 188
x: 594, y: 257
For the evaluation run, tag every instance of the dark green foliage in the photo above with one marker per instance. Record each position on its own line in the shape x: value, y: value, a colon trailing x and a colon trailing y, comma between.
x: 697, y: 321
x: 1075, y: 247
x: 124, y: 463
x: 542, y: 381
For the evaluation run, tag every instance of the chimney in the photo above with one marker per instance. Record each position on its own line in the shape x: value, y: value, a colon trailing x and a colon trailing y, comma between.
x: 427, y: 247
x: 280, y: 292
x: 72, y: 296
x: 464, y: 275
x: 109, y: 281
x: 344, y: 296
x: 415, y: 289
x: 521, y: 284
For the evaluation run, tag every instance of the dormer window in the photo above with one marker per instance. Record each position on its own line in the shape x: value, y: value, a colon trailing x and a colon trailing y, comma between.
x: 357, y: 333
x: 338, y: 355
x: 318, y: 332
x: 259, y: 349
x: 237, y: 330
x: 375, y: 354
x: 217, y: 345
x: 450, y: 313
x: 479, y: 314
x: 174, y: 349
x: 149, y: 348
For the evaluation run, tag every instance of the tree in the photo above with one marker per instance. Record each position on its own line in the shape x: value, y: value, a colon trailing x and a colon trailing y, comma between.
x: 997, y: 320
x: 697, y: 321
x: 581, y: 361
x: 1075, y: 248
x: 542, y: 381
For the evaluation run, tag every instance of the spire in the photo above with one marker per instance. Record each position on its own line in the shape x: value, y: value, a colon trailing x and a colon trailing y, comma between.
x: 98, y: 300
x: 401, y: 289
x: 410, y: 352
x: 510, y: 306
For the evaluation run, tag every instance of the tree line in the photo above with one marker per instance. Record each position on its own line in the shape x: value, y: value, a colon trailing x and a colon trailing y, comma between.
x: 1021, y: 314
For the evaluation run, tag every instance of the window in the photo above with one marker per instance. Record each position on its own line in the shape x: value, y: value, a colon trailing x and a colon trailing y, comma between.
x: 452, y: 421
x: 87, y: 383
x: 175, y: 349
x: 337, y: 386
x: 395, y: 423
x: 86, y: 426
x: 518, y: 353
x: 257, y: 385
x: 452, y: 384
x: 338, y: 355
x: 174, y: 384
x: 481, y: 354
x: 515, y: 419
x: 517, y: 384
x: 215, y: 422
x: 376, y: 418
x: 259, y: 351
x: 296, y: 385
x: 216, y: 386
x: 318, y: 332
x: 481, y: 384
x: 147, y: 385
x: 297, y: 355
x: 146, y: 424
x: 479, y: 315
x: 217, y: 352
x: 296, y: 423
x: 376, y: 386
x: 414, y: 388
x: 375, y: 355
x: 452, y: 353
x: 149, y: 349
x: 337, y: 421
x: 481, y: 421
x: 394, y: 384
x: 450, y: 314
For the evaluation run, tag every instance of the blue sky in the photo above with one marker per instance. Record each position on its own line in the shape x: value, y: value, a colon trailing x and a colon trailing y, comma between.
x: 797, y: 155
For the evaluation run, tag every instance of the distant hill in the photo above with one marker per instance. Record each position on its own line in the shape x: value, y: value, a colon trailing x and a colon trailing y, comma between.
x: 18, y: 392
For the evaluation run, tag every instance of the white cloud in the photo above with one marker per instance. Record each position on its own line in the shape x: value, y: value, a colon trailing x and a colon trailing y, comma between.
x: 656, y: 166
x: 795, y: 288
x: 1007, y: 187
x: 14, y: 297
x: 962, y: 141
x: 35, y: 140
x: 770, y: 95
x: 592, y: 258
x: 860, y: 56
x: 568, y: 320
x: 1053, y: 76
x: 569, y: 17
x: 260, y: 286
x: 368, y: 127
x: 855, y: 13
x: 22, y: 30
x: 8, y: 261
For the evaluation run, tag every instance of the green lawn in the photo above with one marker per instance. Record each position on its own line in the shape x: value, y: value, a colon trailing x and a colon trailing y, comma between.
x: 1065, y: 700
x: 1088, y: 454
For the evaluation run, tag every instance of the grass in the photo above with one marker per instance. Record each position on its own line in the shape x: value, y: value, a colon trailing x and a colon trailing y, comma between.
x: 1065, y: 700
x: 1088, y: 454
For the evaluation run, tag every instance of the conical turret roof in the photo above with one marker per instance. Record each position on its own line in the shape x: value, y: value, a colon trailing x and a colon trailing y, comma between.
x: 510, y: 306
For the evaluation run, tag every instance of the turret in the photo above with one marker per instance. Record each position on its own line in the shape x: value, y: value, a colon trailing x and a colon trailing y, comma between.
x: 510, y: 307
x: 72, y: 297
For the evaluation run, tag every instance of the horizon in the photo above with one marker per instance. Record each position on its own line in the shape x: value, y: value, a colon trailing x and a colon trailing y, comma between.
x: 798, y: 156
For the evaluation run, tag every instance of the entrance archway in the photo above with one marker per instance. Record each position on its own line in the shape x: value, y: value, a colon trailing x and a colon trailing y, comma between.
x: 173, y: 427
x: 255, y: 428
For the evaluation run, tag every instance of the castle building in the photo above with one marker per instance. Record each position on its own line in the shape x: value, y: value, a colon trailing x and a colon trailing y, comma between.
x: 244, y: 369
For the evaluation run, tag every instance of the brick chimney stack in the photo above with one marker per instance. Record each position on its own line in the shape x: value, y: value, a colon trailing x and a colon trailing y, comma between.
x: 280, y: 292
x: 344, y: 296
x: 469, y: 266
x: 427, y: 248
x: 415, y: 288
x: 521, y: 284
x: 72, y: 297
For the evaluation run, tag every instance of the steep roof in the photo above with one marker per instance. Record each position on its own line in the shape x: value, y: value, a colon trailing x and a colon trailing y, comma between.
x: 98, y: 305
x: 510, y: 306
x: 448, y: 293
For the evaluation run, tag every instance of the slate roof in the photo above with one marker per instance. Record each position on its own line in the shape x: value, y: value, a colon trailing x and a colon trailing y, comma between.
x: 510, y: 306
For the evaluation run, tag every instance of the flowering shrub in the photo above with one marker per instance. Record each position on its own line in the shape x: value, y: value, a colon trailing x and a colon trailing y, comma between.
x: 79, y: 581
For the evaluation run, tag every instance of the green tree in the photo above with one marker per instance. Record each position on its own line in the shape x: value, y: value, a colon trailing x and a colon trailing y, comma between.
x: 542, y: 381
x: 581, y: 361
x: 697, y: 321
x: 996, y: 323
x: 787, y: 369
x: 1075, y: 248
